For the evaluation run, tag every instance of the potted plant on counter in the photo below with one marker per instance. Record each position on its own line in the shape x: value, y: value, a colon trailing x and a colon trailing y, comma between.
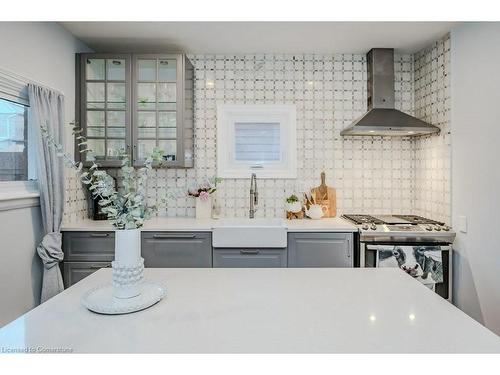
x: 293, y: 204
x: 293, y: 207
x: 203, y: 197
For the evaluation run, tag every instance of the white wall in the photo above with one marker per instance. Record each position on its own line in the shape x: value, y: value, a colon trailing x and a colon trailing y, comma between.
x: 44, y: 53
x: 21, y: 272
x: 475, y: 122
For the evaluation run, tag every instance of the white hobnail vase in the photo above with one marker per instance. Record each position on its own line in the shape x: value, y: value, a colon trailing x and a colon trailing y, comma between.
x: 204, y: 208
x: 128, y: 266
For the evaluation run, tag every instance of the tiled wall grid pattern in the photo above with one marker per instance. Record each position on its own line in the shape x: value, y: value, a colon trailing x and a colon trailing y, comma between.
x: 371, y: 174
x: 432, y: 196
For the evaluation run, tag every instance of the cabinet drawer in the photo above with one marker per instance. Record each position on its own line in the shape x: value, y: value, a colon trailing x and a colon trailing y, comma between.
x: 177, y: 249
x: 249, y: 258
x: 320, y: 250
x: 89, y: 246
x: 76, y: 271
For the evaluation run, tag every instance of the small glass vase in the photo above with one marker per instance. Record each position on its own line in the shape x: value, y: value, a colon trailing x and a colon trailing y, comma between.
x: 215, y: 207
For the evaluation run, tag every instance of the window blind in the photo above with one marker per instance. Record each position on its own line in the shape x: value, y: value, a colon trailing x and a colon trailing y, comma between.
x: 257, y: 142
x: 13, y: 88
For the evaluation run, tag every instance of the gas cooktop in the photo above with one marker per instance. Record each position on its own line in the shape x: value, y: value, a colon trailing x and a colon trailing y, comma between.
x: 390, y: 219
x: 400, y: 228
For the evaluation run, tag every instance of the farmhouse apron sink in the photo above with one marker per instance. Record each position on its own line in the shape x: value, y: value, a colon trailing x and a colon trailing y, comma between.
x: 253, y: 233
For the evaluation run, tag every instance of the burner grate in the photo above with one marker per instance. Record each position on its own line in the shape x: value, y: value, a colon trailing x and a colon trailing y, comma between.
x: 363, y: 219
x: 415, y: 219
x: 390, y: 219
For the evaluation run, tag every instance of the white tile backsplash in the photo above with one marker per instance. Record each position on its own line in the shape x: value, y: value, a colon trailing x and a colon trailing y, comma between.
x: 75, y: 207
x: 433, y: 153
x: 371, y: 174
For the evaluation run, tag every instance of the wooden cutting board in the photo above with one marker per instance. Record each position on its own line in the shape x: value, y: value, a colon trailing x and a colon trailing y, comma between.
x: 326, y: 197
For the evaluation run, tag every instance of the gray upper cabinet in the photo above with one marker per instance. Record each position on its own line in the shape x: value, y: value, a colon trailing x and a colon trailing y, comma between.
x: 135, y: 103
x: 320, y: 250
x: 163, y: 108
x: 177, y: 249
x: 103, y: 108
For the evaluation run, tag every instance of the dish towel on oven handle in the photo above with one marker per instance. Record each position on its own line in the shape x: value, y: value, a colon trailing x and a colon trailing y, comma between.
x: 424, y: 263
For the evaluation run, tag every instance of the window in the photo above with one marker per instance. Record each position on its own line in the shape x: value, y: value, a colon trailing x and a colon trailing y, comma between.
x: 13, y: 141
x: 257, y: 142
x: 257, y: 139
x: 17, y: 167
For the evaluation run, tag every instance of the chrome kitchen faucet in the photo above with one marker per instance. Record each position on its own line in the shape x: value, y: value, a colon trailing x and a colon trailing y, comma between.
x: 254, y: 196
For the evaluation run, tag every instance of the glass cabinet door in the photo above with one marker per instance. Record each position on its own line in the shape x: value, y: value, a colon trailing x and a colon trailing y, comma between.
x: 105, y: 107
x: 157, y: 84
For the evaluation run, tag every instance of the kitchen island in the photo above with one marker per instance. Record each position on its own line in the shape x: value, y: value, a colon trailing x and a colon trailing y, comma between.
x: 322, y: 310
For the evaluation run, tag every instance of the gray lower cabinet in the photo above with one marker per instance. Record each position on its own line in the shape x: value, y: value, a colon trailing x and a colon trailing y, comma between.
x: 85, y: 253
x: 177, y: 249
x: 320, y: 250
x: 89, y: 246
x: 249, y: 258
x: 73, y: 272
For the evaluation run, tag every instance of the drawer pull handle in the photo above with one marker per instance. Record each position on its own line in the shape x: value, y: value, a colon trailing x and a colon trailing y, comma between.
x: 249, y: 252
x: 174, y: 236
x: 99, y: 234
x: 96, y: 267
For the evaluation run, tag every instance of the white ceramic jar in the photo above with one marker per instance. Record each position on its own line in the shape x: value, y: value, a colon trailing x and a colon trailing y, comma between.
x: 315, y: 212
x: 204, y: 208
x: 293, y: 207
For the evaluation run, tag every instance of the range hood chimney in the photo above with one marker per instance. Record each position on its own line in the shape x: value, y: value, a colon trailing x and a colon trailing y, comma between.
x: 382, y: 118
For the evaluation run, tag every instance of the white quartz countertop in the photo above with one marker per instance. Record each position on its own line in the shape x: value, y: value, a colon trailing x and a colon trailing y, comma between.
x: 336, y: 224
x: 259, y: 310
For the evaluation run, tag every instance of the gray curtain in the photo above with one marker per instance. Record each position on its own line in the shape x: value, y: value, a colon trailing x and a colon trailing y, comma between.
x: 47, y: 109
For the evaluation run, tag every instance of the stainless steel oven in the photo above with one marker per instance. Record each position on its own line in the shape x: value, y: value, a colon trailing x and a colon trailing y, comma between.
x: 370, y: 255
x: 421, y: 247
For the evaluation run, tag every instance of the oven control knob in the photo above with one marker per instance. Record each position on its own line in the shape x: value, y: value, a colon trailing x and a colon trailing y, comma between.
x: 373, y: 227
x: 364, y: 227
x: 429, y: 228
x: 437, y: 228
x: 446, y: 228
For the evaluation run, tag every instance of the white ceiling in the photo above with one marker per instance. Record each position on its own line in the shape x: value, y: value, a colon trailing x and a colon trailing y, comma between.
x: 257, y: 37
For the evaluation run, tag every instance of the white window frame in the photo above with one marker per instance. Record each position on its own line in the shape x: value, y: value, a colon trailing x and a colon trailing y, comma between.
x: 229, y: 114
x: 18, y: 194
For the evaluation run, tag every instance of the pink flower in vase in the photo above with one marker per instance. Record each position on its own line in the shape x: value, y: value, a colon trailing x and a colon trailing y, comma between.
x: 204, y: 195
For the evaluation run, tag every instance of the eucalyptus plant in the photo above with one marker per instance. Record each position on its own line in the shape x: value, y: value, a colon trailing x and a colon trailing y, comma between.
x: 125, y: 209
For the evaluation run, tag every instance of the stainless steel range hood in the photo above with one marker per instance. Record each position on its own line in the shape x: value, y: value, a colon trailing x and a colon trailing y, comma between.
x: 382, y: 118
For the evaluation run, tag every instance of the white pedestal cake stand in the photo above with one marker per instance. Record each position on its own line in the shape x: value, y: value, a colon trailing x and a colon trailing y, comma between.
x: 101, y: 300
